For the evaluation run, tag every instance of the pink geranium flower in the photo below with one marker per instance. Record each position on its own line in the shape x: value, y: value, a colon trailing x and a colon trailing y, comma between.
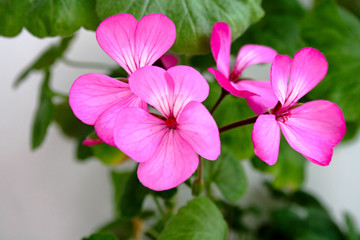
x: 166, y: 146
x: 257, y: 93
x: 96, y: 99
x: 312, y: 129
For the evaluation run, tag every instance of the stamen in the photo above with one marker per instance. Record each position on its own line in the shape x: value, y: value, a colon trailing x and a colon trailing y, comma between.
x: 171, y: 122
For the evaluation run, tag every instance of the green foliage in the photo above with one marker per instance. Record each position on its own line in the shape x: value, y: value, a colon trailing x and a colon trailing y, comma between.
x: 193, y: 19
x: 289, y: 169
x: 341, y: 85
x: 200, y: 219
x: 12, y: 16
x: 352, y: 232
x: 228, y: 175
x: 44, y: 113
x: 101, y: 236
x: 46, y: 59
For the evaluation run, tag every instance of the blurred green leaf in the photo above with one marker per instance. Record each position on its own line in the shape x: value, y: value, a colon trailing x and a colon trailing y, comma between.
x: 44, y: 113
x: 351, y: 5
x: 46, y: 59
x: 200, y: 219
x: 193, y: 19
x: 228, y: 175
x: 336, y: 32
x: 101, y: 236
x: 279, y: 28
x: 352, y: 233
x: 108, y: 155
x: 122, y: 229
x: 60, y: 18
x: 119, y: 180
x: 288, y: 171
x: 232, y: 109
x: 12, y: 16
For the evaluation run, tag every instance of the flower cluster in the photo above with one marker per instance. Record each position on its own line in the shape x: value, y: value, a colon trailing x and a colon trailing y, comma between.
x: 156, y: 115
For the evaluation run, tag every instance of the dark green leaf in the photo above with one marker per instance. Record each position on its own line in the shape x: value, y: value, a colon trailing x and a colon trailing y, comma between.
x: 198, y: 220
x: 12, y: 16
x: 131, y: 199
x: 279, y: 28
x: 122, y: 229
x: 119, y: 180
x: 60, y: 18
x: 351, y: 5
x: 44, y: 113
x: 46, y: 59
x: 228, y: 174
x: 101, y: 236
x: 341, y: 85
x: 232, y: 109
x: 352, y: 233
x: 193, y: 19
x: 288, y: 171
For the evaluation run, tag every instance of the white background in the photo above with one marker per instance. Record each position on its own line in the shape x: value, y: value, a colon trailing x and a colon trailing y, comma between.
x: 46, y: 194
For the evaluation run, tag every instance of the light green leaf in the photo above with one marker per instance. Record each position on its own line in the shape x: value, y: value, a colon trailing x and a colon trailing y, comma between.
x: 193, y: 19
x: 200, y: 219
x: 228, y: 175
x: 108, y: 155
x: 44, y: 113
x: 336, y: 32
x: 12, y: 16
x: 60, y: 18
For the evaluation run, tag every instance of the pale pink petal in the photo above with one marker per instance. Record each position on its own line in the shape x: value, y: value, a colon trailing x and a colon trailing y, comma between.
x: 279, y: 76
x: 227, y: 85
x: 172, y: 164
x: 266, y: 138
x: 197, y: 127
x: 169, y: 61
x: 154, y: 35
x: 104, y: 125
x: 155, y: 86
x: 314, y: 129
x: 189, y: 85
x: 220, y: 47
x: 252, y: 54
x: 91, y: 94
x: 115, y: 36
x: 308, y: 68
x: 138, y: 133
x: 265, y: 98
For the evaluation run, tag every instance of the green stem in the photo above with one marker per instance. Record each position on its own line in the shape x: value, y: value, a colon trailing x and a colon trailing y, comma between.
x: 223, y: 94
x: 156, y: 200
x: 238, y: 124
x: 198, y: 183
x: 79, y: 64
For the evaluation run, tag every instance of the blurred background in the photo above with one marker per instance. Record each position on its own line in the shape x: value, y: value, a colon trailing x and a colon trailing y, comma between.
x: 47, y: 194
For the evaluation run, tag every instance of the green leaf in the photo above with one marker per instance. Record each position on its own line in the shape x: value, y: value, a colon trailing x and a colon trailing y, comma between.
x: 200, y: 219
x: 12, y: 16
x: 288, y: 171
x: 44, y: 113
x: 352, y: 233
x: 131, y: 197
x: 193, y: 19
x: 341, y: 85
x: 60, y: 18
x: 351, y: 5
x: 46, y: 59
x: 228, y: 175
x: 101, y: 236
x: 232, y: 109
x: 122, y: 229
x: 108, y: 155
x: 279, y: 28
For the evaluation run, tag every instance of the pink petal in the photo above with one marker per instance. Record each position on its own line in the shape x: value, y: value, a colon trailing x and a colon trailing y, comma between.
x: 189, y: 85
x: 265, y: 98
x: 154, y: 36
x: 220, y: 47
x: 227, y: 85
x: 252, y: 54
x: 91, y: 94
x: 197, y: 127
x: 266, y: 138
x: 115, y: 36
x: 155, y: 86
x: 91, y: 142
x: 173, y: 163
x: 169, y: 61
x: 279, y: 76
x: 135, y: 44
x: 104, y: 125
x: 314, y: 129
x: 138, y: 133
x: 308, y: 68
